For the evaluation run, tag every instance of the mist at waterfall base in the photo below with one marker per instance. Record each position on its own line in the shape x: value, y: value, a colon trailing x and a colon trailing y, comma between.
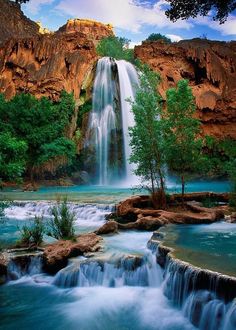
x: 122, y: 287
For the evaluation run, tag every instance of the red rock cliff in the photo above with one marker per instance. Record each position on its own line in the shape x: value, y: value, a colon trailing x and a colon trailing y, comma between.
x: 13, y: 23
x: 44, y: 64
x: 210, y: 67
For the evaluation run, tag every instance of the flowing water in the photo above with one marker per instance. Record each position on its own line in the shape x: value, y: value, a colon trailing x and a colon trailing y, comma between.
x: 121, y: 287
x: 110, y: 118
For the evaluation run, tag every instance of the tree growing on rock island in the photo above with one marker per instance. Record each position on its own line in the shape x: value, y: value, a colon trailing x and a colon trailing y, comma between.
x: 183, y: 145
x: 147, y: 138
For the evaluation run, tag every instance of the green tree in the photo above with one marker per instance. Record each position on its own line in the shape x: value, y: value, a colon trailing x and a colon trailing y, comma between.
x: 183, y: 146
x: 115, y: 47
x: 182, y: 9
x: 12, y: 157
x: 146, y: 136
x: 42, y: 125
x: 158, y: 36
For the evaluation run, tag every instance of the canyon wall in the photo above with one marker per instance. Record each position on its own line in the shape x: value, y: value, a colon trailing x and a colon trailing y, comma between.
x: 210, y: 67
x: 43, y: 64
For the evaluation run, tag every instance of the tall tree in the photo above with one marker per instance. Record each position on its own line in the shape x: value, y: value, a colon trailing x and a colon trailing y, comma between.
x: 12, y: 157
x: 182, y: 9
x: 146, y: 136
x: 183, y: 146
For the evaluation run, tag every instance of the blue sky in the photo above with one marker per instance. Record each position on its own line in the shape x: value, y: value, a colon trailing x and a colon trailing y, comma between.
x: 133, y: 19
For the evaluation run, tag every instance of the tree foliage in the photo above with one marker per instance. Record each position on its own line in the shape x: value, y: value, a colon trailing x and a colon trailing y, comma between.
x: 21, y: 1
x: 12, y: 157
x: 146, y: 135
x: 115, y: 47
x: 182, y: 9
x: 33, y: 135
x: 158, y: 36
x: 183, y: 147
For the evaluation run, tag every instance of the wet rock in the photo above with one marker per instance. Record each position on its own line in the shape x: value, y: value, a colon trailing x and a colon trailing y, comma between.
x: 135, y: 217
x: 3, y: 269
x: 109, y: 227
x: 232, y: 217
x: 55, y: 256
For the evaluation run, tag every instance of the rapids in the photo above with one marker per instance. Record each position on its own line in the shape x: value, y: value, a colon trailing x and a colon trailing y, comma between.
x: 121, y: 287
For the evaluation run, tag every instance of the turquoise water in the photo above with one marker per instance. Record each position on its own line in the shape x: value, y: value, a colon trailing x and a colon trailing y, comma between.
x: 107, y: 194
x: 207, y: 246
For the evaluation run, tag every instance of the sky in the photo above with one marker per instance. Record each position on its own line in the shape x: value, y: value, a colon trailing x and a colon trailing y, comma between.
x: 133, y: 19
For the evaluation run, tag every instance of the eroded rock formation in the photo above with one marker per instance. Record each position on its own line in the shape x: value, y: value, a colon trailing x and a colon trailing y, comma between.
x: 44, y: 64
x: 210, y: 67
x: 136, y: 213
x: 14, y: 24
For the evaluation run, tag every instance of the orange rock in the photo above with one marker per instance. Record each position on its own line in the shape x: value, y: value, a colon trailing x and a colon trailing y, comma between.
x: 210, y: 67
x: 56, y: 255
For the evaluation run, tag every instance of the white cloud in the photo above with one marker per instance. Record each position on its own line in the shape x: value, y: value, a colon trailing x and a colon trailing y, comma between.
x: 174, y: 37
x: 132, y: 44
x: 33, y: 6
x: 124, y: 14
x: 227, y: 28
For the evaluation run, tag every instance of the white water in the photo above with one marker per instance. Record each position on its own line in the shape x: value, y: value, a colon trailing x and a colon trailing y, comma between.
x: 88, y: 216
x: 121, y: 287
x: 110, y: 114
x: 128, y: 79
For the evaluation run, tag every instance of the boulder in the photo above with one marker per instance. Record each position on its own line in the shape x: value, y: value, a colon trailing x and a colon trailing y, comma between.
x: 56, y: 255
x: 109, y: 227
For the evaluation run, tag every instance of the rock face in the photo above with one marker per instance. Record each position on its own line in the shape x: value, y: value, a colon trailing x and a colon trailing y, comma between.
x: 94, y: 31
x: 210, y: 67
x: 14, y: 24
x: 44, y: 64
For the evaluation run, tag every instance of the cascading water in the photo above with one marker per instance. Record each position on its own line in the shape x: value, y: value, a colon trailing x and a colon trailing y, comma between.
x: 120, y: 287
x: 110, y: 118
x: 128, y: 79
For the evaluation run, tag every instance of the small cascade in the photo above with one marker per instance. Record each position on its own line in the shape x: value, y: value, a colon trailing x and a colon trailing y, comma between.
x: 110, y: 118
x: 205, y: 298
x: 116, y: 271
x: 23, y: 265
x: 88, y: 215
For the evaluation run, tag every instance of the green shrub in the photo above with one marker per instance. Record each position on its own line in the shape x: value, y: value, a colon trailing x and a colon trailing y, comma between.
x: 37, y: 231
x: 158, y: 36
x: 61, y: 226
x: 32, y: 234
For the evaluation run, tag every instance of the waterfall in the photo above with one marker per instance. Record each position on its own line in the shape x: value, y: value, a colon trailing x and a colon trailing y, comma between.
x: 115, y: 271
x: 110, y: 118
x: 128, y: 79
